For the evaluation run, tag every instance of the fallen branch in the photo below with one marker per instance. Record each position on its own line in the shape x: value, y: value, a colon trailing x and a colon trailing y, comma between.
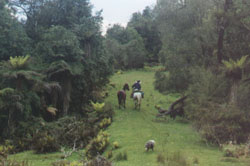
x: 68, y: 153
x: 173, y: 110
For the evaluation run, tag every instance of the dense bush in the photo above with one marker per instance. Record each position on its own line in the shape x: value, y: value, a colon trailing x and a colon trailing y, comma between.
x: 66, y: 131
x: 56, y: 64
x: 126, y: 47
x: 221, y: 124
x: 172, y: 81
x: 97, y: 145
x: 217, y: 121
x: 243, y: 96
x: 44, y: 143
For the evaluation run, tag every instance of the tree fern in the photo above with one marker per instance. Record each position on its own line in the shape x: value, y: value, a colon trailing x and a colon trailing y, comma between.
x: 231, y: 64
x: 234, y: 68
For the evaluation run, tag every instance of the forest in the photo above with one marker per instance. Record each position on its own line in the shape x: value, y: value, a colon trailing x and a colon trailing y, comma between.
x: 56, y: 67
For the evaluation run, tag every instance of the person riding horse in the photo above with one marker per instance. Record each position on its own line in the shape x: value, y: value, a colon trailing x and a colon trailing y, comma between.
x: 137, y: 88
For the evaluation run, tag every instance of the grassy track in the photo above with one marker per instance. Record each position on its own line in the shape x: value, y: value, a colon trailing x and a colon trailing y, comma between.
x: 132, y: 128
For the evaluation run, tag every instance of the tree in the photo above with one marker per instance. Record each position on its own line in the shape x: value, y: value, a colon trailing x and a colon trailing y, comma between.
x: 234, y: 71
x: 145, y: 24
x: 13, y: 39
x: 59, y: 44
x: 126, y: 46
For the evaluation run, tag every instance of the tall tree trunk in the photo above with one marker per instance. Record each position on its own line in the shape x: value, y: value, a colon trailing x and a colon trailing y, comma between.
x: 233, y: 93
x: 220, y: 44
x: 66, y: 91
x: 222, y: 26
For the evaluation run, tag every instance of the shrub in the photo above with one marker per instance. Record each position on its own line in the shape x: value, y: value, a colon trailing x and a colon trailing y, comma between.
x: 115, y: 145
x: 243, y: 96
x: 61, y: 163
x: 206, y: 106
x: 219, y: 124
x: 174, y: 81
x: 7, y: 148
x: 76, y: 163
x: 99, y: 161
x: 43, y: 143
x: 97, y: 145
x: 232, y: 150
x: 110, y: 154
x: 105, y: 123
x: 5, y: 162
x: 121, y: 156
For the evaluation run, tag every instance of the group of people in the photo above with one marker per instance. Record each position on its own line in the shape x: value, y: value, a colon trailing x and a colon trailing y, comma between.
x: 137, y: 88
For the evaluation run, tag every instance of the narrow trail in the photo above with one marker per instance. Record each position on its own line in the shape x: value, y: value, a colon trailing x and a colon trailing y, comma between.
x: 132, y: 128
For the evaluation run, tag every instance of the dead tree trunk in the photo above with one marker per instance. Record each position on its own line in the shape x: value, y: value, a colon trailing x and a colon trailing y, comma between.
x: 175, y: 109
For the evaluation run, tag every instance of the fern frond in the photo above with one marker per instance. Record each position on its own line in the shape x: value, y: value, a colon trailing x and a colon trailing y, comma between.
x: 231, y: 64
x: 228, y: 64
x: 19, y: 62
x: 97, y: 106
x: 240, y: 63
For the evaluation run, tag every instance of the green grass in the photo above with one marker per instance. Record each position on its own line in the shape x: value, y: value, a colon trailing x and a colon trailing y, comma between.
x: 132, y: 128
x: 42, y: 159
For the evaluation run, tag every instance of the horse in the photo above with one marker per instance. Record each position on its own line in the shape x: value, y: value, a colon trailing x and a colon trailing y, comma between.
x: 121, y: 95
x: 137, y: 96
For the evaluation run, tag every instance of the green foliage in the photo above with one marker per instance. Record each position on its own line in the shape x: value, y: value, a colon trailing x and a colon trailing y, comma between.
x: 174, y: 81
x: 234, y: 69
x: 97, y: 106
x: 237, y: 151
x: 175, y: 159
x: 105, y: 123
x: 121, y: 156
x: 97, y: 145
x: 216, y: 121
x: 64, y: 132
x: 60, y: 163
x: 126, y: 47
x: 110, y: 154
x: 243, y: 95
x: 6, y: 92
x: 44, y: 143
x: 59, y: 44
x: 13, y: 39
x: 76, y: 163
x: 99, y: 161
x: 145, y: 24
x: 115, y: 145
x: 7, y: 162
x: 231, y: 64
x: 19, y: 62
x: 7, y: 148
x: 206, y: 87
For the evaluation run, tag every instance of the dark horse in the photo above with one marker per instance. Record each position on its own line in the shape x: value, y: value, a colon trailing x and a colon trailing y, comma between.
x: 121, y: 95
